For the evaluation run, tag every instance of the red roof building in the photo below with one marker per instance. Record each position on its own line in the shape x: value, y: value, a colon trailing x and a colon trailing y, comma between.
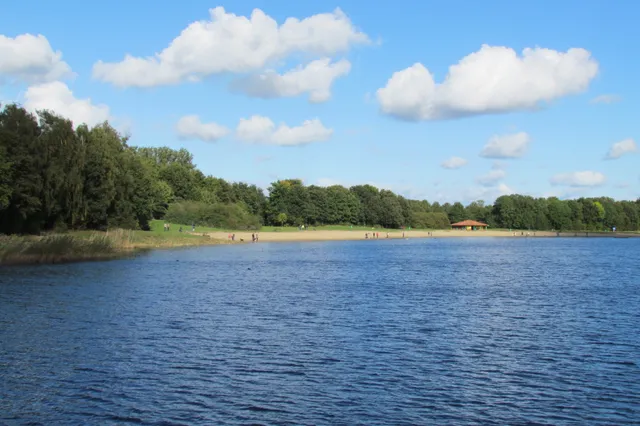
x: 470, y: 225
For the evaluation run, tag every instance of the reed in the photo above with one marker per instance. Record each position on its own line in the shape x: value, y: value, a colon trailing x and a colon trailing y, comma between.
x: 60, y: 248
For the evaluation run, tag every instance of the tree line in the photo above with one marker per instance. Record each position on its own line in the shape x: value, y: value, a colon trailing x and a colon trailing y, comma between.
x: 57, y: 177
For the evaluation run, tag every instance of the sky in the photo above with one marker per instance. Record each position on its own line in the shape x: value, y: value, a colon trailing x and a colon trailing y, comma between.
x: 444, y: 101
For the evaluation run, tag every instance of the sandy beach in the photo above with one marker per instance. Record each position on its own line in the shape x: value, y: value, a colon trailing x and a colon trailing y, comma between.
x: 360, y: 235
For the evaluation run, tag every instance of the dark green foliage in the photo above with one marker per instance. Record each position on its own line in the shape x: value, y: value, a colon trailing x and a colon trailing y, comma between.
x: 55, y: 177
x: 219, y: 215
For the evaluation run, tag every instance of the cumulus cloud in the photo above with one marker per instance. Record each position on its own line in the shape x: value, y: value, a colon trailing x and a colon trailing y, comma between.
x: 57, y: 97
x: 454, y: 163
x: 259, y: 129
x: 30, y: 58
x: 506, y: 146
x: 579, y: 179
x: 491, y: 178
x: 315, y: 79
x: 487, y: 193
x: 606, y: 99
x: 492, y: 80
x: 190, y: 127
x: 618, y: 149
x: 327, y: 182
x: 234, y: 44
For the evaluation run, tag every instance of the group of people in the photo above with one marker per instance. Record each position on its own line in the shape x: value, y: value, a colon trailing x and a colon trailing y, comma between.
x: 254, y: 238
x: 374, y: 235
x: 167, y: 227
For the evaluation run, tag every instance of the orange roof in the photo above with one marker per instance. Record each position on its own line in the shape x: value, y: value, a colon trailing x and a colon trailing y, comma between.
x: 469, y: 223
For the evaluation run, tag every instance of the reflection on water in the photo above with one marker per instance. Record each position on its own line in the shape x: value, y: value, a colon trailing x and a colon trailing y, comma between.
x: 485, y: 331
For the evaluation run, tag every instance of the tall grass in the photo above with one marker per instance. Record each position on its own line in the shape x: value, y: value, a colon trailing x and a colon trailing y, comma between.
x: 64, y: 248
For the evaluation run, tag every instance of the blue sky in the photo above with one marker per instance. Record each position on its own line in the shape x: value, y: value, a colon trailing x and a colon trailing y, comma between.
x: 544, y: 123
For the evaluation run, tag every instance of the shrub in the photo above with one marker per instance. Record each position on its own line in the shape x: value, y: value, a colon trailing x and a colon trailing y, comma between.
x: 218, y: 215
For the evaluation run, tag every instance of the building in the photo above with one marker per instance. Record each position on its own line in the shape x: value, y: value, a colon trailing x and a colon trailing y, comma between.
x: 470, y: 225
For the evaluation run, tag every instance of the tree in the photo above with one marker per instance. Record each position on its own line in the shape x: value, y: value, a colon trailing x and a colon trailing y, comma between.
x: 55, y: 177
x: 281, y: 218
x: 456, y: 213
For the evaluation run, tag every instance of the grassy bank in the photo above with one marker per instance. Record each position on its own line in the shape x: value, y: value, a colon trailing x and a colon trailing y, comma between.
x: 62, y: 248
x: 91, y: 245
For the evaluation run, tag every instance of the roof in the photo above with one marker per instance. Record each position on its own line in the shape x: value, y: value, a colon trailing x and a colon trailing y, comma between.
x: 469, y: 223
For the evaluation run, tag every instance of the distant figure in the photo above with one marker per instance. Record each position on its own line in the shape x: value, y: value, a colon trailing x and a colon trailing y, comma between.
x: 366, y: 235
x: 229, y: 236
x: 253, y: 238
x: 180, y: 230
x: 193, y: 227
x: 233, y: 237
x: 403, y: 235
x: 387, y: 235
x: 377, y: 235
x: 256, y: 237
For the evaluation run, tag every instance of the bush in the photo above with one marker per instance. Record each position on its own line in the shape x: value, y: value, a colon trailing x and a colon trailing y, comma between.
x: 423, y: 220
x: 218, y: 215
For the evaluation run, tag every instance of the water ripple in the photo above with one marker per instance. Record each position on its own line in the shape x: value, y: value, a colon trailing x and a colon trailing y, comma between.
x: 477, y: 331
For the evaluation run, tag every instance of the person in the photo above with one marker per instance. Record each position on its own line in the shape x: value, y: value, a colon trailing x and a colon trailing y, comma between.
x: 180, y: 230
x: 387, y: 235
x: 366, y: 235
x: 253, y: 238
x: 193, y: 227
x: 233, y: 237
x: 256, y: 237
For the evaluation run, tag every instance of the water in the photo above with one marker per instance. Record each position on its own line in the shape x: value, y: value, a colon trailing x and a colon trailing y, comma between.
x: 448, y: 331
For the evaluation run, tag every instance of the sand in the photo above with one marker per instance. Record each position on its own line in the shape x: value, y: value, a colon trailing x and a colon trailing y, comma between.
x: 360, y: 235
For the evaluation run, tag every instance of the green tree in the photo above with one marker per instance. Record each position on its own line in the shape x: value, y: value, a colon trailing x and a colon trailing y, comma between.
x: 282, y: 218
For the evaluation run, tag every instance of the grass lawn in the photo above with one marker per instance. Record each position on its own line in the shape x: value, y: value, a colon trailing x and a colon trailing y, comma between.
x: 158, y: 229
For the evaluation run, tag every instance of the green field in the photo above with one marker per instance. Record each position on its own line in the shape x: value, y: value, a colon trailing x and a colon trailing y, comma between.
x: 157, y: 228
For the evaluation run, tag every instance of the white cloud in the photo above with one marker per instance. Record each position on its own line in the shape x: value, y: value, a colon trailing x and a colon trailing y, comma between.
x: 315, y: 79
x: 491, y: 178
x: 506, y: 146
x: 606, y: 99
x: 618, y: 149
x: 235, y: 44
x: 57, y: 97
x: 327, y: 182
x: 492, y: 80
x: 579, y: 179
x: 190, y: 127
x: 454, y: 163
x: 259, y: 129
x: 31, y: 59
x: 488, y: 194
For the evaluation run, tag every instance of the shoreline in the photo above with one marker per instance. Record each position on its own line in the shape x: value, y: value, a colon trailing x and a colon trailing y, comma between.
x: 302, y: 236
x: 69, y: 248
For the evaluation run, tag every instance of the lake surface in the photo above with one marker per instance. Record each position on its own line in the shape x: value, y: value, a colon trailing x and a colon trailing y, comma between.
x: 446, y: 331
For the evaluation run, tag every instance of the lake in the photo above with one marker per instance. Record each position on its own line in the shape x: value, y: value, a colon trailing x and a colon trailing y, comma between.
x: 440, y: 331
